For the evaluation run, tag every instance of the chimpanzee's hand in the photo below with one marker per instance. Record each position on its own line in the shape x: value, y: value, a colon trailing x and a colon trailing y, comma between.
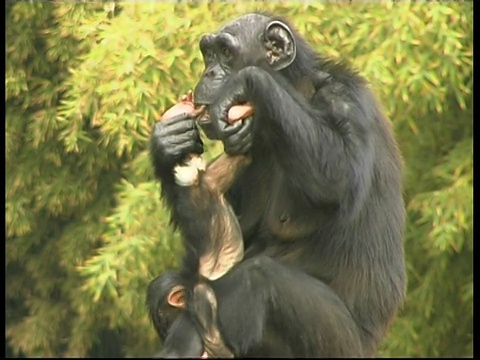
x: 236, y: 137
x: 173, y: 138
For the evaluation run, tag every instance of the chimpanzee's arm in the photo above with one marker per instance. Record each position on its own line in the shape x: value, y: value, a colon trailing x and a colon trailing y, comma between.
x: 323, y: 149
x: 269, y: 309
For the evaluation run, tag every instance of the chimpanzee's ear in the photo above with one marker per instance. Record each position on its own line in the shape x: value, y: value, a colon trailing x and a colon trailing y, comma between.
x: 176, y: 297
x: 280, y: 44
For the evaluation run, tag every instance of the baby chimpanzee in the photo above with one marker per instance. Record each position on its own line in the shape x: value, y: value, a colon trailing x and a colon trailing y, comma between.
x: 184, y: 312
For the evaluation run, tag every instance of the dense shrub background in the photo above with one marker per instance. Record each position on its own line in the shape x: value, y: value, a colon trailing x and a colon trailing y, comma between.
x: 85, y: 230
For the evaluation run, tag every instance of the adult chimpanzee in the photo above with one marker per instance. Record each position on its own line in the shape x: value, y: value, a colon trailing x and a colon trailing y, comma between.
x: 320, y: 206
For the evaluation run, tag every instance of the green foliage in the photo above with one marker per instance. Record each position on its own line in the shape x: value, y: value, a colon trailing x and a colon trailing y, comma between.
x: 85, y: 230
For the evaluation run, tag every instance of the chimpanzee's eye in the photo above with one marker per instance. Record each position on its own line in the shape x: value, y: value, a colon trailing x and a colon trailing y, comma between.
x: 227, y: 53
x: 209, y: 55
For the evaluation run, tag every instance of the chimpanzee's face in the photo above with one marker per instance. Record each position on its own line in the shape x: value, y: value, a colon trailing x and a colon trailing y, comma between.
x: 235, y: 46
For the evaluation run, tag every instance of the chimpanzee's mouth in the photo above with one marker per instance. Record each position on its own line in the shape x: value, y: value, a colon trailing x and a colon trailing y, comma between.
x: 201, y: 114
